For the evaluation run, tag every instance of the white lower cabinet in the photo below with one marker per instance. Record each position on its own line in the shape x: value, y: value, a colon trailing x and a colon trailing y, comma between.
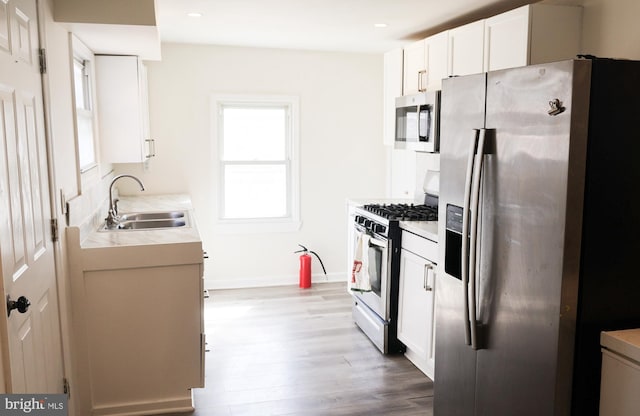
x: 416, y: 300
x: 138, y: 325
x: 620, y: 380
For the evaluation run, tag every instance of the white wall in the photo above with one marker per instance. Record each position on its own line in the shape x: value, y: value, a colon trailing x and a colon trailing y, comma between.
x: 341, y: 151
x: 611, y: 29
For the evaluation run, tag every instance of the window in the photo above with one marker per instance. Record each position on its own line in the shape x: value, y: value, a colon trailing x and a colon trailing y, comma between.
x: 83, y: 96
x: 256, y: 152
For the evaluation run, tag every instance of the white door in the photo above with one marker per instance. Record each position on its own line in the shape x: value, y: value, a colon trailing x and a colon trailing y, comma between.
x: 34, y: 360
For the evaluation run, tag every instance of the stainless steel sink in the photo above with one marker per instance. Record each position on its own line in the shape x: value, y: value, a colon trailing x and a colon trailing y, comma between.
x: 151, y: 224
x: 148, y: 221
x: 143, y: 216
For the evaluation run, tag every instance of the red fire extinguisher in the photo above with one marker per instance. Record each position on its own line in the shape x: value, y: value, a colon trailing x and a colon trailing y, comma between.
x: 305, y: 266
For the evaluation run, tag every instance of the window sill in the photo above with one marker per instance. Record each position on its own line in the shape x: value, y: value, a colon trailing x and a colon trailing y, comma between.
x: 257, y: 226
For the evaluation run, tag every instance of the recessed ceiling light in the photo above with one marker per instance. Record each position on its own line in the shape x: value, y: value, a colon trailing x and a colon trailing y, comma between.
x: 194, y: 14
x: 380, y: 25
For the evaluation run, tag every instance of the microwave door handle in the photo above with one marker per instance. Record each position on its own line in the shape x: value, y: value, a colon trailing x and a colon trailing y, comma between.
x: 419, y: 109
x: 473, y: 248
x: 464, y: 261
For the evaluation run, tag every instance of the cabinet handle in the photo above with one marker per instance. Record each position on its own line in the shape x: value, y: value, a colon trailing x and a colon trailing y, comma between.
x: 421, y: 86
x: 152, y: 148
x: 425, y: 286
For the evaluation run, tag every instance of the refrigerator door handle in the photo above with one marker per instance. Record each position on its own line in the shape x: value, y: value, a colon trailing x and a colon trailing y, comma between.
x: 464, y: 261
x: 475, y: 203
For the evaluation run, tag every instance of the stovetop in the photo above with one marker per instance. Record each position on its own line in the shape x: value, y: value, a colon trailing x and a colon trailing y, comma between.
x: 404, y: 212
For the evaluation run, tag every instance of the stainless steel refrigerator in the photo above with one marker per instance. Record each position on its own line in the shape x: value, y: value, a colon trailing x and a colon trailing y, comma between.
x: 540, y: 170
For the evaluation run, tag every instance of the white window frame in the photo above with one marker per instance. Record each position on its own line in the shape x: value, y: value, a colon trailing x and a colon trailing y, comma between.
x: 89, y: 173
x: 289, y: 223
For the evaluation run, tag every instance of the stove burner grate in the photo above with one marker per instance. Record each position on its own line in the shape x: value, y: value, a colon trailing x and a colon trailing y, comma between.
x: 404, y: 212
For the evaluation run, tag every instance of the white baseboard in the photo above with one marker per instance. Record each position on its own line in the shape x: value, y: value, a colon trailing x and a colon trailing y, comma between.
x: 263, y: 281
x: 156, y: 407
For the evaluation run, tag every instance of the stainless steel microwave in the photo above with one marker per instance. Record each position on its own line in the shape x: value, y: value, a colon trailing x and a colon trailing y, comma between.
x: 418, y: 122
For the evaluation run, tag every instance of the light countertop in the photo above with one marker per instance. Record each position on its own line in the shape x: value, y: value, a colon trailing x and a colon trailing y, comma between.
x: 624, y: 342
x: 425, y: 229
x: 123, y: 238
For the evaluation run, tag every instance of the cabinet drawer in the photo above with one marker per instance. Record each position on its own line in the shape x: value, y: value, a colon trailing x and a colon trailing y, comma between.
x: 420, y: 246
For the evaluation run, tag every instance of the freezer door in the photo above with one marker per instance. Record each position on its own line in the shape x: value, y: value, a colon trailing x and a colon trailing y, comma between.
x: 462, y: 113
x: 526, y: 305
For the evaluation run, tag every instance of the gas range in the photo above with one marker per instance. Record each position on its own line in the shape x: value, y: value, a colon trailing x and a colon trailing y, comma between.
x: 377, y: 240
x: 378, y: 218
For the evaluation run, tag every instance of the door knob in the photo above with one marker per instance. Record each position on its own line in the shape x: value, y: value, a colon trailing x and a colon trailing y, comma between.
x: 22, y: 304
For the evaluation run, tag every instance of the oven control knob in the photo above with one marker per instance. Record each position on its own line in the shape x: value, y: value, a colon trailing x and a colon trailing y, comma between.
x: 367, y: 224
x: 379, y: 228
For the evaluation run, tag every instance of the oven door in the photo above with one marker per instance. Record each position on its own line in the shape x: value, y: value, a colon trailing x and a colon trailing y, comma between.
x: 378, y: 267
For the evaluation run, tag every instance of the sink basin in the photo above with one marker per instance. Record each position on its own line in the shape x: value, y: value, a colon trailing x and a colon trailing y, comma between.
x: 149, y: 221
x: 151, y: 224
x: 143, y: 216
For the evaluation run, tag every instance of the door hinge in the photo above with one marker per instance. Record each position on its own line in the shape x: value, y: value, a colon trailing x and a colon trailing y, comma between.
x: 54, y: 229
x: 65, y: 388
x: 42, y: 55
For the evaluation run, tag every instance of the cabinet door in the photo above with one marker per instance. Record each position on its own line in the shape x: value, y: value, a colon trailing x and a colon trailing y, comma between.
x: 506, y: 43
x: 403, y: 173
x: 149, y: 148
x: 436, y: 57
x: 122, y: 108
x: 414, y: 68
x: 392, y: 89
x: 466, y: 49
x: 144, y: 323
x: 415, y: 311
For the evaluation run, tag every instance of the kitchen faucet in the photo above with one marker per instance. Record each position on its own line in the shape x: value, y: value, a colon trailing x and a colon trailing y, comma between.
x: 113, y: 218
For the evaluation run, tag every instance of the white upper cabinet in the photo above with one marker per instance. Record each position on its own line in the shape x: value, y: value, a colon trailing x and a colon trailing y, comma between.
x: 415, y: 68
x: 435, y: 48
x: 392, y: 89
x: 123, y: 112
x: 425, y: 64
x: 532, y: 34
x: 466, y: 49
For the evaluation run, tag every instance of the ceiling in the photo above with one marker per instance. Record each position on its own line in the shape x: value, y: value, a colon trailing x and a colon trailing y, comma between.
x: 330, y: 25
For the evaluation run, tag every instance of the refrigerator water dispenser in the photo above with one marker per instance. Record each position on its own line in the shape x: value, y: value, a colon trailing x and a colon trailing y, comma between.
x: 453, y: 242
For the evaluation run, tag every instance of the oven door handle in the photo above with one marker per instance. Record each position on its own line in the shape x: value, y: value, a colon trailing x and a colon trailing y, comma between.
x: 374, y: 242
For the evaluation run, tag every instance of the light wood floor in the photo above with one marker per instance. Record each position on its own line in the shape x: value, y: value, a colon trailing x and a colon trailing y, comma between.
x: 291, y: 351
